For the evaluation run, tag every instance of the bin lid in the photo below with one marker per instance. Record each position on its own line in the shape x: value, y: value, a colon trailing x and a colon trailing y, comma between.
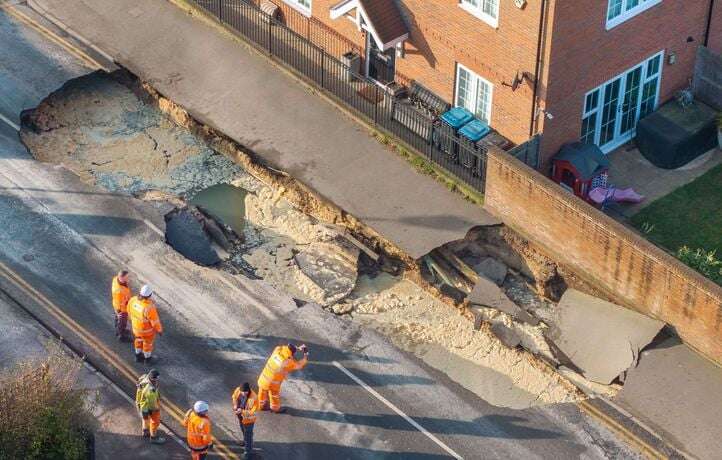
x: 457, y: 117
x: 475, y: 130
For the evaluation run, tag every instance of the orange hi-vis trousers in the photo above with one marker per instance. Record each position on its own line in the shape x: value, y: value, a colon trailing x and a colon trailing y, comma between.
x: 151, y: 421
x: 144, y: 343
x: 266, y: 392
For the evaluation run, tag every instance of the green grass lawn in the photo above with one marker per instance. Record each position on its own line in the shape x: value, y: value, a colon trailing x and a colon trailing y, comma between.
x: 689, y: 216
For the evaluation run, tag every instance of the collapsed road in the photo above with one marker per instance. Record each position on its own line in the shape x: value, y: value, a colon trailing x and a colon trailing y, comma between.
x: 62, y: 238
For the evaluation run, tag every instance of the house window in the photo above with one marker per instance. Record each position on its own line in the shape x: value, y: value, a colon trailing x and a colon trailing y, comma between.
x: 589, y: 118
x: 304, y: 6
x: 473, y: 93
x: 619, y: 11
x: 486, y: 10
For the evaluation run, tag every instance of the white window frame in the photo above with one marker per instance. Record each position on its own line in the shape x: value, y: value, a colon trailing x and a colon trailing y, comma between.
x: 645, y: 78
x: 474, y: 96
x: 627, y: 14
x: 303, y: 9
x: 478, y: 11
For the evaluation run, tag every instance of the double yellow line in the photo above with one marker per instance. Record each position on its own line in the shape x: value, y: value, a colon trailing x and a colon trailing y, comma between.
x: 106, y: 353
x: 50, y: 35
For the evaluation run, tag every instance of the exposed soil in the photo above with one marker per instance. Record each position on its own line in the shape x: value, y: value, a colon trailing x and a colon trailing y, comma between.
x: 104, y: 128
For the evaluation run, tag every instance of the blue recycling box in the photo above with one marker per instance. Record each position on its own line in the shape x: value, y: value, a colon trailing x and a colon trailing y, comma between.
x: 457, y: 117
x: 475, y: 130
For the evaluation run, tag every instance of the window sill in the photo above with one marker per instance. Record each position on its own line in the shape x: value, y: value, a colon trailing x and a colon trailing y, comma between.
x: 300, y: 8
x: 492, y: 21
x: 624, y: 17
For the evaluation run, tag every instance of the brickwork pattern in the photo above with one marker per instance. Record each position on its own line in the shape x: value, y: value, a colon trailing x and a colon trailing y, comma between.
x: 623, y: 265
x: 584, y: 55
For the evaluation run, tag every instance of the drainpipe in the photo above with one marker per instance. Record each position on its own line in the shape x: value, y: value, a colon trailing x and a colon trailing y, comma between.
x: 537, y: 69
x: 709, y: 22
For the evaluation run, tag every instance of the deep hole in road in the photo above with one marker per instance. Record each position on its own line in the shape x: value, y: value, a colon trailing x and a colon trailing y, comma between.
x: 100, y: 127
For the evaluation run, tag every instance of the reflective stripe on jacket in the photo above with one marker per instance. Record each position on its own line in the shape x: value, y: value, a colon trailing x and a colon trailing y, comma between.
x: 199, y: 430
x: 120, y: 295
x: 147, y: 396
x: 144, y: 316
x: 278, y: 366
x: 248, y: 405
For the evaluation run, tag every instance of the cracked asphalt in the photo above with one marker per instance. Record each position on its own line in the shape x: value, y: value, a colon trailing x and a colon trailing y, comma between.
x: 220, y: 328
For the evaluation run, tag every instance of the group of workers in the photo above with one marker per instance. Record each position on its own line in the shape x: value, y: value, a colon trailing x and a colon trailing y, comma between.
x: 145, y: 324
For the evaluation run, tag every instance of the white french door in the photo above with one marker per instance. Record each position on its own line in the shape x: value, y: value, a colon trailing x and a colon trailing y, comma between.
x: 612, y: 110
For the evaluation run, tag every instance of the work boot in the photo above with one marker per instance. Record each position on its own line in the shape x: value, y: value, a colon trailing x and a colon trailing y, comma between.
x: 265, y: 406
x: 146, y: 433
x: 157, y: 439
x: 148, y: 359
x: 138, y: 357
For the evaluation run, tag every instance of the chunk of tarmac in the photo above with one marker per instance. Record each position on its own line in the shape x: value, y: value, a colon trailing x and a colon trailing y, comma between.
x: 184, y: 231
x: 600, y: 338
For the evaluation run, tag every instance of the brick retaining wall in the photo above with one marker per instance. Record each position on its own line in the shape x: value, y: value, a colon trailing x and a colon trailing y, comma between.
x: 623, y: 265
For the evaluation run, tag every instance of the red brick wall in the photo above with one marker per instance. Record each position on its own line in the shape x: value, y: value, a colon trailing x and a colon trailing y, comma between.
x: 443, y: 34
x: 584, y: 55
x: 606, y: 254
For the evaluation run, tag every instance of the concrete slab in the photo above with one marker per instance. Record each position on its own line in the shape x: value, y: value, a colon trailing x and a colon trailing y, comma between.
x: 270, y: 113
x: 600, y: 338
x: 675, y: 391
x: 491, y: 269
x: 486, y: 293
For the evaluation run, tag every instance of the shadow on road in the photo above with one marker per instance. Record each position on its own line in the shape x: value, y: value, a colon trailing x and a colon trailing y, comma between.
x: 320, y: 368
x: 504, y: 426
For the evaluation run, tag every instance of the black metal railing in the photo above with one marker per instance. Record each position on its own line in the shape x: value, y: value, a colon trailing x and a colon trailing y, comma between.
x: 367, y: 98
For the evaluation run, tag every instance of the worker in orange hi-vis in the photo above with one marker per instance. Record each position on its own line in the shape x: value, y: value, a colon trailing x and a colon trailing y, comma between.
x: 278, y: 366
x: 199, y: 436
x: 120, y: 295
x: 145, y: 323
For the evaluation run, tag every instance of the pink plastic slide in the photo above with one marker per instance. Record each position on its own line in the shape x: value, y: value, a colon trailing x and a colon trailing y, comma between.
x: 601, y: 194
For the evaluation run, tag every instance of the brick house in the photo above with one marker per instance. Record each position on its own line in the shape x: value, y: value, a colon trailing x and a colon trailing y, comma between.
x: 601, y: 63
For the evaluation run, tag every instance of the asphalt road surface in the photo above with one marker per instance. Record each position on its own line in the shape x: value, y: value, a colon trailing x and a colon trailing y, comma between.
x: 61, y: 241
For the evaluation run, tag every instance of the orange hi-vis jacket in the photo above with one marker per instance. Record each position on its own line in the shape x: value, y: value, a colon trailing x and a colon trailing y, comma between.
x: 144, y: 317
x: 278, y: 366
x: 120, y: 295
x: 199, y: 430
x: 247, y: 405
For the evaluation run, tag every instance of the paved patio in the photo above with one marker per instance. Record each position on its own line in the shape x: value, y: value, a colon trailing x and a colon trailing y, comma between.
x: 630, y: 169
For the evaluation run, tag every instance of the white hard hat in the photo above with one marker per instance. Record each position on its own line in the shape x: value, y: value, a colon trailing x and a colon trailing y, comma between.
x: 200, y: 407
x: 146, y: 291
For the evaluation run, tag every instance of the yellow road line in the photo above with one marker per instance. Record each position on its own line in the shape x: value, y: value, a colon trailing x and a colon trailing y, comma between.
x: 645, y: 449
x: 109, y: 355
x: 52, y: 36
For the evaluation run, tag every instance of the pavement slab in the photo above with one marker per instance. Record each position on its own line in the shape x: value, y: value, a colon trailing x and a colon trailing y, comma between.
x: 272, y: 114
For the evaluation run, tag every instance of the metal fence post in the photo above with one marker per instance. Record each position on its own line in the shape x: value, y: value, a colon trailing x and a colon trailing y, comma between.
x: 220, y: 10
x: 270, y: 46
x: 376, y: 105
x: 323, y: 68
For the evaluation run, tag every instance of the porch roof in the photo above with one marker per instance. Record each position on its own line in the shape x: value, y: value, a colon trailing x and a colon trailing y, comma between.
x: 381, y: 18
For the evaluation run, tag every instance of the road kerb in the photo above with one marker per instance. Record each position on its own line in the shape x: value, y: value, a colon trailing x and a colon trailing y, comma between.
x: 108, y: 355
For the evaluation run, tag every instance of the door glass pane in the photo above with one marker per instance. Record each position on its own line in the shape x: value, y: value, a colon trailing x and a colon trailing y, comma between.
x: 590, y: 103
x: 631, y: 4
x: 589, y: 127
x: 482, y: 101
x: 615, y: 9
x: 653, y: 66
x: 649, y: 97
x: 630, y: 100
x: 463, y: 98
x: 609, y: 111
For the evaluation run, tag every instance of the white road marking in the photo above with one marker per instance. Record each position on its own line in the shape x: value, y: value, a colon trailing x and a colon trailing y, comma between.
x: 388, y: 403
x: 9, y: 122
x: 153, y: 227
